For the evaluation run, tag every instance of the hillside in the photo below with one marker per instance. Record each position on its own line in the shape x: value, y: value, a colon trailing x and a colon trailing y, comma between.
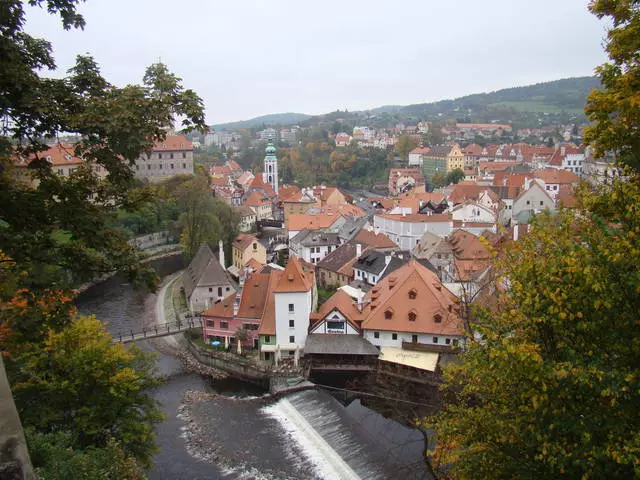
x: 566, y: 95
x: 548, y: 103
x: 289, y: 118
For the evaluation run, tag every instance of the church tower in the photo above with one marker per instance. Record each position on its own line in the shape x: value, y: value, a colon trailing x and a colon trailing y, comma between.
x: 270, y: 174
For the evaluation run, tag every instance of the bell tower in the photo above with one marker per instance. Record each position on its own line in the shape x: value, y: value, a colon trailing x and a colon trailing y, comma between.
x: 270, y: 174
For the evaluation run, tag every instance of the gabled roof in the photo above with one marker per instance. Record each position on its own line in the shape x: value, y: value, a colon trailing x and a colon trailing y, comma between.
x: 342, y: 302
x: 316, y: 238
x: 429, y: 300
x: 243, y: 240
x: 553, y: 175
x: 256, y: 199
x: 373, y: 239
x: 224, y: 308
x: 59, y: 154
x: 337, y: 260
x: 254, y: 296
x: 233, y: 166
x: 204, y: 270
x: 173, y: 143
x: 440, y: 150
x: 420, y: 150
x: 467, y: 246
x: 293, y: 278
x: 301, y: 221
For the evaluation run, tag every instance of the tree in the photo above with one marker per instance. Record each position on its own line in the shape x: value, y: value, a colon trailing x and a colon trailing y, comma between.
x: 79, y: 381
x: 198, y: 221
x: 454, y: 176
x: 404, y: 145
x: 439, y: 179
x: 552, y: 388
x: 614, y: 108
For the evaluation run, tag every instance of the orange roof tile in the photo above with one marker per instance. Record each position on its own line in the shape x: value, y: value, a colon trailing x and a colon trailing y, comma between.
x: 376, y: 240
x: 224, y: 308
x: 57, y: 155
x: 342, y: 302
x: 243, y: 240
x: 254, y: 296
x: 256, y: 199
x: 431, y: 299
x: 293, y: 278
x: 173, y: 142
x: 552, y: 175
x: 302, y: 221
x: 268, y: 321
x: 417, y: 217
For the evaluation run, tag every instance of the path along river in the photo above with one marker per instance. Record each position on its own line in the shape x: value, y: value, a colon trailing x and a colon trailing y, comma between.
x: 225, y: 429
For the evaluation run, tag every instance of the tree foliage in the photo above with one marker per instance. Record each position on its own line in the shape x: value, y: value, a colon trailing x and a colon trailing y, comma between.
x: 79, y: 381
x: 405, y: 144
x: 454, y: 176
x: 613, y: 109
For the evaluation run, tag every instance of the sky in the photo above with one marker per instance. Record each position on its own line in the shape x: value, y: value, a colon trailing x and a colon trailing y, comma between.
x: 247, y: 58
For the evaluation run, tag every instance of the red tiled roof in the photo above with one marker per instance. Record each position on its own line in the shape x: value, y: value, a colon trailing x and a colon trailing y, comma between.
x: 553, y: 175
x: 417, y: 217
x: 58, y: 155
x: 173, y: 142
x: 293, y: 278
x: 256, y: 199
x: 373, y: 239
x: 243, y: 240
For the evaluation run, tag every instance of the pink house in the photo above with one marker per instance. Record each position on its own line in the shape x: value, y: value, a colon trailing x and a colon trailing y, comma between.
x: 242, y: 310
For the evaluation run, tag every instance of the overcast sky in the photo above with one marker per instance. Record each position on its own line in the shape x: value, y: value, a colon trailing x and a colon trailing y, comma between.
x: 251, y: 57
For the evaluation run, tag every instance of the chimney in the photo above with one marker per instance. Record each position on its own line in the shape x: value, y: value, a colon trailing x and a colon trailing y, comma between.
x: 387, y: 259
x: 516, y: 232
x: 358, y: 250
x: 221, y: 254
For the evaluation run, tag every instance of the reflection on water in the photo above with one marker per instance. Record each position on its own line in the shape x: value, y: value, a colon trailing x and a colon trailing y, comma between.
x: 234, y: 388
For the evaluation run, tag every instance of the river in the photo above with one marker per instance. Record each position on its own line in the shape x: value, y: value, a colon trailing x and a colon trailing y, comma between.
x: 225, y: 429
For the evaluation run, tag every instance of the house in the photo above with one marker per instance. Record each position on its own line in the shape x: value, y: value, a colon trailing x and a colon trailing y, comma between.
x: 405, y: 179
x: 260, y: 204
x: 206, y: 280
x: 416, y: 156
x: 405, y: 230
x: 352, y: 227
x: 343, y: 139
x: 472, y: 154
x: 299, y: 202
x: 298, y: 222
x: 533, y: 199
x: 313, y: 245
x: 62, y: 159
x: 371, y: 237
x: 373, y: 265
x: 285, y: 324
x: 337, y: 267
x: 329, y: 195
x: 169, y: 157
x: 442, y: 159
x: 246, y: 247
x: 474, y: 217
x: 439, y: 252
x: 248, y: 218
x: 555, y: 179
x: 568, y: 157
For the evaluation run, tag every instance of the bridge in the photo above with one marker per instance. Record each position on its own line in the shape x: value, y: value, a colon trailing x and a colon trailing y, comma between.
x: 155, y: 331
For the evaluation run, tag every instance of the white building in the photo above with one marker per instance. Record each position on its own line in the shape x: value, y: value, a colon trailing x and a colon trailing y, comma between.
x: 407, y: 229
x: 313, y: 245
x: 294, y: 302
x: 270, y: 174
x: 268, y: 134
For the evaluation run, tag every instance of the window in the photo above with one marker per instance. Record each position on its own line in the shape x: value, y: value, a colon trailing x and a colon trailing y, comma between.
x: 184, y: 165
x: 291, y: 308
x: 227, y: 289
x: 376, y: 334
x: 437, y: 318
x: 171, y: 156
x: 184, y: 155
x: 413, y: 294
x: 541, y: 202
x: 528, y: 202
x: 224, y: 324
x: 211, y: 289
x: 267, y: 339
x: 160, y: 156
x: 435, y: 339
x: 394, y: 336
x: 292, y: 323
x: 160, y: 166
x: 138, y: 168
x: 414, y: 338
x: 292, y: 339
x: 292, y: 353
x: 335, y: 325
x: 447, y: 341
x: 172, y: 166
x: 388, y: 314
x: 255, y: 246
x: 211, y: 323
x: 412, y: 316
x: 149, y: 167
x: 219, y: 291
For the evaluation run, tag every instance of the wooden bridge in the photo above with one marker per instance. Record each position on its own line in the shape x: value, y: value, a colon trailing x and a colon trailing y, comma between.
x: 155, y: 331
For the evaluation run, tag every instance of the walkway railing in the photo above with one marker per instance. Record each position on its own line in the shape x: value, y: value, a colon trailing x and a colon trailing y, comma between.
x: 156, y: 331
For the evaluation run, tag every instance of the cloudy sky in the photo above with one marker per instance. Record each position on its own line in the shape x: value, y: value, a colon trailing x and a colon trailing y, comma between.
x: 253, y: 57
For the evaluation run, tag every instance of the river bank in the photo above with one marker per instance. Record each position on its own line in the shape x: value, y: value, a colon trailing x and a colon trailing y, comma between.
x: 208, y: 434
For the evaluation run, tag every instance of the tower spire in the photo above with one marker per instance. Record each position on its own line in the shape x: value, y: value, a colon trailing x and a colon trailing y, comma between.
x: 270, y: 174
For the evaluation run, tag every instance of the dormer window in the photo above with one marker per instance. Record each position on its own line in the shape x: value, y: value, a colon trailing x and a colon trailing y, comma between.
x: 412, y: 294
x: 437, y: 318
x: 388, y: 314
x: 412, y: 316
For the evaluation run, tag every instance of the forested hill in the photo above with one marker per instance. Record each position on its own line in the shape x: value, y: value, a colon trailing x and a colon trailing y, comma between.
x: 548, y: 103
x: 289, y: 118
x: 567, y: 95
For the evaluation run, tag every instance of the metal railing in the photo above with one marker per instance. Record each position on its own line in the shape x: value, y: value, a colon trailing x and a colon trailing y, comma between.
x: 161, y: 330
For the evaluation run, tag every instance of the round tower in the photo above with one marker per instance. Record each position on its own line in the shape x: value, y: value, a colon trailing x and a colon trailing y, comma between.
x: 270, y: 174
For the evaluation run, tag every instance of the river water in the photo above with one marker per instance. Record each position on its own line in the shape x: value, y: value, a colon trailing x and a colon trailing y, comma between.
x: 225, y: 429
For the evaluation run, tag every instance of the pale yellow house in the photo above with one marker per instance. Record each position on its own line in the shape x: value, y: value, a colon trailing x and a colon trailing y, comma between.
x: 246, y: 247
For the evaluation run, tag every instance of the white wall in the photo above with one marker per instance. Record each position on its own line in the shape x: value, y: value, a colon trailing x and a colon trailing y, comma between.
x: 201, y: 298
x: 407, y: 234
x: 386, y: 338
x: 300, y: 316
x: 337, y: 317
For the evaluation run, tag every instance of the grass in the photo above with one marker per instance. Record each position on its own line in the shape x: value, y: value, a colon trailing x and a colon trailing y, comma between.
x: 537, y: 107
